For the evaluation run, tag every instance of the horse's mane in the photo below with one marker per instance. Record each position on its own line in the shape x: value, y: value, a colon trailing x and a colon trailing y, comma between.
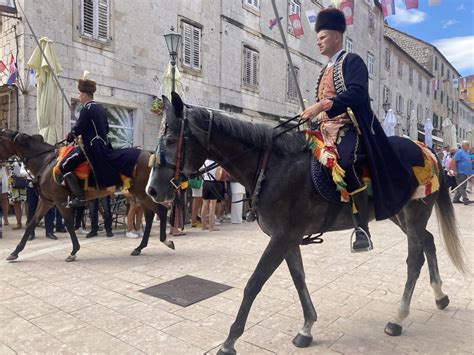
x: 26, y: 140
x: 252, y: 134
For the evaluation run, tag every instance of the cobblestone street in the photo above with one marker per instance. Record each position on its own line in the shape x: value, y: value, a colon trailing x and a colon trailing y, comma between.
x: 93, y: 305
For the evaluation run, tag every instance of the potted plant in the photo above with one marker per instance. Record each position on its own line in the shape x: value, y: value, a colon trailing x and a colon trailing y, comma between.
x: 157, y: 106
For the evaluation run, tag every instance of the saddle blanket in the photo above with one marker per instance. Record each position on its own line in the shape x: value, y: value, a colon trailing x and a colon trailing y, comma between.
x: 83, y: 170
x: 328, y: 176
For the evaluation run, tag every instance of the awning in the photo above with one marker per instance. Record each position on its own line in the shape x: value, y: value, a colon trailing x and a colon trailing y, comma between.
x: 437, y: 139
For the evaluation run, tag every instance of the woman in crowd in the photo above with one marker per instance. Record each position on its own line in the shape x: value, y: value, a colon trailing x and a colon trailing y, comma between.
x: 17, y: 190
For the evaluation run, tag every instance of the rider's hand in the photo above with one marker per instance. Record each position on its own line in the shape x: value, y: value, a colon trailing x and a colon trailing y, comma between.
x: 70, y: 137
x: 325, y: 104
x: 311, y: 112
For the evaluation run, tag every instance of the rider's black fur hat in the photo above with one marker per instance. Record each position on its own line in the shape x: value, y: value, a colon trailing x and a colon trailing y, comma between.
x: 331, y: 19
x: 86, y: 85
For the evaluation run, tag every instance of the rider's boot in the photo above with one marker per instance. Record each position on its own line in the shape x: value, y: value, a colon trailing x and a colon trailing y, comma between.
x: 363, y: 240
x: 77, y: 198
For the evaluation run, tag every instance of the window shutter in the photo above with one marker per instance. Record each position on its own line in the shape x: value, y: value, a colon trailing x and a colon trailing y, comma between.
x: 88, y: 18
x: 196, y: 48
x: 187, y: 42
x: 255, y: 68
x: 103, y: 20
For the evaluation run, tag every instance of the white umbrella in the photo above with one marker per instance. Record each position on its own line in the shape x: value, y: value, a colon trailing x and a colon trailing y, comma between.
x: 389, y: 123
x: 428, y: 133
x: 47, y: 99
x: 413, y: 133
x: 448, y: 138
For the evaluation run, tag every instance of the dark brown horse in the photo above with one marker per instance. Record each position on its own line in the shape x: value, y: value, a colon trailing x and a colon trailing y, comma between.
x: 40, y: 157
x: 288, y: 206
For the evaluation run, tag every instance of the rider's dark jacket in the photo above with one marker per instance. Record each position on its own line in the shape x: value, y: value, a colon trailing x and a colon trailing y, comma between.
x: 392, y: 179
x: 107, y: 163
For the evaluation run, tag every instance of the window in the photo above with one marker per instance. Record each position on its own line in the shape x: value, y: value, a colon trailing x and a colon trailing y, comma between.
x: 442, y: 69
x: 399, y: 103
x: 400, y: 68
x: 387, y: 59
x: 387, y: 95
x: 95, y: 18
x: 410, y: 75
x: 419, y: 112
x: 442, y: 97
x: 371, y: 22
x: 427, y: 114
x: 435, y: 95
x: 191, y: 57
x: 427, y: 87
x: 370, y: 63
x: 349, y: 45
x: 250, y: 68
x: 420, y: 82
x: 294, y: 7
x: 409, y: 107
x: 448, y: 74
x: 436, y: 63
x: 292, y: 92
x: 121, y: 123
x: 252, y: 4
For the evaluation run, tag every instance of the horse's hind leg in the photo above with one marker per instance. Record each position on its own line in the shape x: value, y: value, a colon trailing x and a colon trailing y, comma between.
x: 442, y: 300
x: 304, y: 338
x: 149, y: 214
x: 272, y: 257
x: 416, y: 215
x: 68, y: 215
x: 41, y: 210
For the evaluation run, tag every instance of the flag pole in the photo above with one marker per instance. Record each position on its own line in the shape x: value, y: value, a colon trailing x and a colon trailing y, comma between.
x: 285, y: 45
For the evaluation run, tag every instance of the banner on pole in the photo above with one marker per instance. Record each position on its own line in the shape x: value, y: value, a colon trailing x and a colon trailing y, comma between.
x: 296, y: 25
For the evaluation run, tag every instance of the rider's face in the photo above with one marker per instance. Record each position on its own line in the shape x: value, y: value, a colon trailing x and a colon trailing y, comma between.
x: 329, y: 42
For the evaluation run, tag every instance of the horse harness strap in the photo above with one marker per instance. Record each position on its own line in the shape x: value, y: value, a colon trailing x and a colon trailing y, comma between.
x: 37, y: 177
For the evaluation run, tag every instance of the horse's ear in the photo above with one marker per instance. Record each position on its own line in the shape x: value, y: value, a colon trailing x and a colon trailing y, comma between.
x: 23, y: 138
x: 178, y: 104
x: 38, y: 137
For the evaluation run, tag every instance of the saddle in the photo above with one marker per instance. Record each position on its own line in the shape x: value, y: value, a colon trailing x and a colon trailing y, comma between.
x: 328, y: 177
x: 83, y: 171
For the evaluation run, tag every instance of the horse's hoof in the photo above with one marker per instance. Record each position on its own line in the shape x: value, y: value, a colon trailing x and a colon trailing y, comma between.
x: 226, y: 352
x: 442, y: 303
x: 393, y: 329
x: 70, y: 258
x: 135, y: 252
x: 169, y: 244
x: 302, y: 341
x: 12, y: 257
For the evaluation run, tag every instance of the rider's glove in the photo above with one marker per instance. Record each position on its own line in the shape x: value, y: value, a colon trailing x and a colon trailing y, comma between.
x: 70, y: 137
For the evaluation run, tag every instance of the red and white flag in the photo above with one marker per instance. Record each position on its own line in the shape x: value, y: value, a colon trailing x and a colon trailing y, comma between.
x: 12, y: 64
x: 347, y: 7
x: 388, y: 7
x: 3, y: 67
x: 296, y: 24
x: 411, y: 4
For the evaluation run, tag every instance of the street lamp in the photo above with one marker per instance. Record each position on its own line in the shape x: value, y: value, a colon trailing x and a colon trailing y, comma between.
x: 172, y: 42
x: 386, y: 106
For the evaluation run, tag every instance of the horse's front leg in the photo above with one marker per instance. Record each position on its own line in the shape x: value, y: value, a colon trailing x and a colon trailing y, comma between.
x: 68, y: 215
x: 149, y: 214
x: 272, y: 257
x: 41, y: 210
x: 304, y: 338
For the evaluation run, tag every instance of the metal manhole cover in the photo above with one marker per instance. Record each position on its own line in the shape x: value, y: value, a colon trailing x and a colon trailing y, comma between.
x: 186, y: 290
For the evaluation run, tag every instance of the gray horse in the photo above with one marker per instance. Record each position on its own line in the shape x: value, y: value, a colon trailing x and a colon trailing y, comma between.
x: 288, y: 207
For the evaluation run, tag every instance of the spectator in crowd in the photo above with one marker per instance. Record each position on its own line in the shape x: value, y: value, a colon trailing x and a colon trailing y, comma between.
x: 177, y: 211
x: 462, y: 168
x: 94, y: 215
x: 134, y: 218
x: 4, y: 193
x: 211, y: 192
x: 17, y: 190
x: 449, y: 170
x: 471, y: 179
x: 446, y: 153
x: 196, y: 207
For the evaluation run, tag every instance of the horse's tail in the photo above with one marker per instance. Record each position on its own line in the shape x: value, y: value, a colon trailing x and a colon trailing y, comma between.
x: 448, y: 226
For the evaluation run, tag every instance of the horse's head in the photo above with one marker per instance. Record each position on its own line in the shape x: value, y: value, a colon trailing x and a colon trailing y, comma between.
x: 178, y: 152
x: 19, y: 144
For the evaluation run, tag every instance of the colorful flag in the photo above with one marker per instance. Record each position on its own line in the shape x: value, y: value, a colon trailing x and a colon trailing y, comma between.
x: 435, y: 85
x: 12, y: 78
x: 13, y: 72
x: 388, y: 7
x: 455, y: 83
x: 272, y: 22
x: 12, y: 64
x: 296, y: 25
x: 311, y: 17
x: 3, y: 67
x: 347, y: 8
x: 32, y: 78
x: 434, y: 2
x: 411, y: 4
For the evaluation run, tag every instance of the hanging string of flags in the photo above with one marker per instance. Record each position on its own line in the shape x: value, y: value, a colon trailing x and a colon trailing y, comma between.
x: 12, y: 72
x: 457, y: 83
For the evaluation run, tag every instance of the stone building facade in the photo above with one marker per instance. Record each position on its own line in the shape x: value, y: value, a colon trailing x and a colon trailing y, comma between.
x: 445, y: 102
x: 406, y: 87
x: 230, y: 59
x: 466, y: 122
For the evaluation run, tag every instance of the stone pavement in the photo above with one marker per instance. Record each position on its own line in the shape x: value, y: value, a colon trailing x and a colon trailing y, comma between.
x: 93, y: 305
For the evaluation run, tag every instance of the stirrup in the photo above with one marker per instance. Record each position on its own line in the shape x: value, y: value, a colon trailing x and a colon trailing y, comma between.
x: 71, y: 203
x: 370, y: 247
